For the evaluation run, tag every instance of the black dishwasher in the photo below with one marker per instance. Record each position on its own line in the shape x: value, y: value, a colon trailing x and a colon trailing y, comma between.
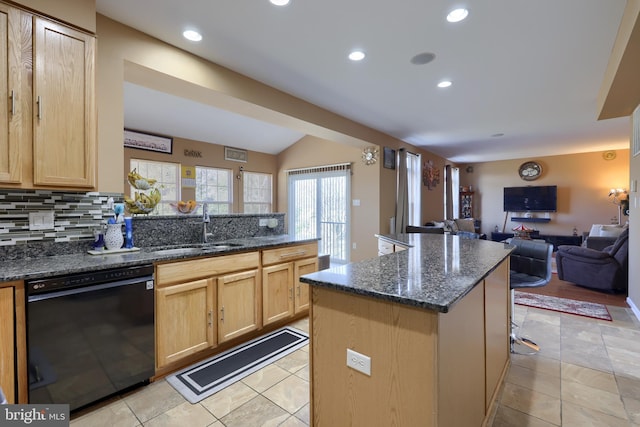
x: 90, y: 335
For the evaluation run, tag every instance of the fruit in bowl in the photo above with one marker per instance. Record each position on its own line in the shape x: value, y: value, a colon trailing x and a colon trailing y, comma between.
x: 185, y: 207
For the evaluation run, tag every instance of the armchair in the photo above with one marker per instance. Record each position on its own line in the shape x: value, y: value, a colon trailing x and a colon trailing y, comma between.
x: 606, y: 270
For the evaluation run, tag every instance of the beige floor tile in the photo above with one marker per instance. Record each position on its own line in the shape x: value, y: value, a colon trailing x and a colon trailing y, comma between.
x: 294, y: 361
x: 116, y: 413
x: 577, y: 416
x: 304, y: 414
x: 590, y: 377
x: 183, y: 415
x: 291, y: 394
x: 265, y: 377
x: 153, y: 400
x: 259, y: 411
x: 303, y: 373
x: 302, y: 324
x: 593, y: 398
x: 628, y: 386
x: 507, y: 417
x: 293, y: 422
x: 543, y: 316
x: 223, y: 402
x: 525, y: 377
x: 632, y: 406
x: 544, y: 365
x: 536, y: 404
x: 616, y: 331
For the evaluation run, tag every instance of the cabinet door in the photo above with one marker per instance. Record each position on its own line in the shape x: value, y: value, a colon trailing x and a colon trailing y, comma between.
x: 64, y: 119
x: 11, y: 112
x: 497, y: 326
x: 277, y: 292
x: 302, y: 267
x: 185, y: 321
x: 237, y: 304
x: 7, y: 344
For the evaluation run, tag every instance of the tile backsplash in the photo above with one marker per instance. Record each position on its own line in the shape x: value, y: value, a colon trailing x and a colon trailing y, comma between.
x: 77, y: 215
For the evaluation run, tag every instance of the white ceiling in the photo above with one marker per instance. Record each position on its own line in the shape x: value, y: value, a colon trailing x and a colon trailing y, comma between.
x: 530, y: 70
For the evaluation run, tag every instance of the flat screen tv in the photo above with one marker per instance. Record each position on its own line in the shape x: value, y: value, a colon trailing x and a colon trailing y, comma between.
x: 531, y: 199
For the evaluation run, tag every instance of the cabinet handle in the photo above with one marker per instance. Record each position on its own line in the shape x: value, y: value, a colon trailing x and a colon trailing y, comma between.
x: 39, y: 108
x: 210, y: 317
x: 13, y: 103
x: 222, y: 312
x: 292, y: 254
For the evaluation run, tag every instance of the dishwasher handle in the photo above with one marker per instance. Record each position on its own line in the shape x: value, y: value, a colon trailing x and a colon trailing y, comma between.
x: 147, y: 280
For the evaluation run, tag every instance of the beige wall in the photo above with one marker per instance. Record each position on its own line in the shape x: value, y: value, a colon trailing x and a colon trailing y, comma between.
x: 212, y: 156
x: 583, y: 181
x: 365, y: 184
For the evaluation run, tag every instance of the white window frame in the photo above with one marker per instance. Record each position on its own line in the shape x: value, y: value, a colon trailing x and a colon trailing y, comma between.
x: 164, y: 183
x: 414, y: 182
x: 260, y: 198
x: 216, y: 205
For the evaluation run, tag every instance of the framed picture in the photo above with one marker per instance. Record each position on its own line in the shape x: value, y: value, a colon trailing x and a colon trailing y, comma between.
x: 235, y: 154
x: 389, y: 158
x: 147, y: 141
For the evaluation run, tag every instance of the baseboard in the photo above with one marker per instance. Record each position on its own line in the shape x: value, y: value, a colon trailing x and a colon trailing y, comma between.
x: 634, y: 308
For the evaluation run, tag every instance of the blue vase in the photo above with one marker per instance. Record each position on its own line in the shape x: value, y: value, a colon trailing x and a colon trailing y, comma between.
x: 128, y: 232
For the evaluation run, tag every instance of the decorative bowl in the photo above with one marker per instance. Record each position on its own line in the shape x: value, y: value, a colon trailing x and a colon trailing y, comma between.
x: 184, y: 207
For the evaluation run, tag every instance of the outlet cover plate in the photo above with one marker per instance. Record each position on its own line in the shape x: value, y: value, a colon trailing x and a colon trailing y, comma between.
x: 359, y: 362
x: 41, y: 220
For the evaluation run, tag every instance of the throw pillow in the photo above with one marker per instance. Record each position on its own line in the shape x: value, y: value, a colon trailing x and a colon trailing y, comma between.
x: 610, y: 231
x: 450, y: 225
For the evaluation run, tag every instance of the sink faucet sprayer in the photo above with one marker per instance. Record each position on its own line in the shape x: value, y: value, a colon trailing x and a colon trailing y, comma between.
x: 205, y: 220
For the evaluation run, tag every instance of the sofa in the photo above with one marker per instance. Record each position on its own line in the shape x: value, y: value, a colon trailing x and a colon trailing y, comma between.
x: 602, y: 235
x: 605, y: 270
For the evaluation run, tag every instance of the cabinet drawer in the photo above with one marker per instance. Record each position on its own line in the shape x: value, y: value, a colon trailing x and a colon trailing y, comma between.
x: 183, y: 271
x: 289, y: 253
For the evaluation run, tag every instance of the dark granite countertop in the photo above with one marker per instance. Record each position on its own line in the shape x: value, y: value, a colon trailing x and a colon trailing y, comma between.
x: 35, y: 268
x: 435, y: 272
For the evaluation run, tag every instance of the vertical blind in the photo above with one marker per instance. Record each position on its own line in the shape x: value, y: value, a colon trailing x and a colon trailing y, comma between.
x: 319, y: 207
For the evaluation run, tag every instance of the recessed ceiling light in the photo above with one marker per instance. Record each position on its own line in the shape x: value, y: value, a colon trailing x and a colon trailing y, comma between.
x: 444, y: 83
x: 423, y: 58
x: 457, y: 15
x: 356, y: 55
x: 194, y: 36
x: 279, y: 2
x: 497, y: 135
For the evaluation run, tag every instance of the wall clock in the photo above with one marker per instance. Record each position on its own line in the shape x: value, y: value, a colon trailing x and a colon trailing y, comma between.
x: 530, y: 171
x: 370, y: 155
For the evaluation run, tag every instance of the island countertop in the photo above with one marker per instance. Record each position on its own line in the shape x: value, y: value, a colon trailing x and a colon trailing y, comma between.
x: 434, y: 273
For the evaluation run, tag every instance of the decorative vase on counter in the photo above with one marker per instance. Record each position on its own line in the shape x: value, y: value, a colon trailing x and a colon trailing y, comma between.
x: 113, y: 238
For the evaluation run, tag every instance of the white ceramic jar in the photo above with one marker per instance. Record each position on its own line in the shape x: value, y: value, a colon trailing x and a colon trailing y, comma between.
x: 113, y: 238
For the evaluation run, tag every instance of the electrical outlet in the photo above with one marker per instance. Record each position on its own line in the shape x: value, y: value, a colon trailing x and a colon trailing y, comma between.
x: 359, y: 362
x: 41, y: 220
x: 264, y: 222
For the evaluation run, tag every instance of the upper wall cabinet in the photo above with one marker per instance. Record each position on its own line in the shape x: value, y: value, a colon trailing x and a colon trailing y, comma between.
x: 48, y: 80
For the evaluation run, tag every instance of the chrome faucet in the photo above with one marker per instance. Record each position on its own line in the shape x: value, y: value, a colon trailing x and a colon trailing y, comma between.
x: 205, y: 220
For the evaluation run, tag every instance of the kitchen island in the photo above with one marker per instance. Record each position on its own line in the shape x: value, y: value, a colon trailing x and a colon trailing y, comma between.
x: 433, y: 321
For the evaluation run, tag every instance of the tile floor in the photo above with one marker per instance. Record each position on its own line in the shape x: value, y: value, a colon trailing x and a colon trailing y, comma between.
x: 586, y: 374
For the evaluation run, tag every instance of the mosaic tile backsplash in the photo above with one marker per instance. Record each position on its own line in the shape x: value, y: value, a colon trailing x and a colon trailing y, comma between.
x: 78, y: 215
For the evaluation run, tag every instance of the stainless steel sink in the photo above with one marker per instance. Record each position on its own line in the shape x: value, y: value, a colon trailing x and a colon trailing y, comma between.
x: 221, y: 245
x: 180, y: 251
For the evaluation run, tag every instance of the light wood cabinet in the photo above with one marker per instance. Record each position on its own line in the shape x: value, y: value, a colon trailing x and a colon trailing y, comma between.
x: 203, y: 302
x: 64, y: 120
x: 277, y: 292
x: 185, y: 323
x: 302, y: 267
x: 47, y: 118
x: 282, y: 293
x: 427, y: 368
x: 238, y: 304
x: 13, y: 351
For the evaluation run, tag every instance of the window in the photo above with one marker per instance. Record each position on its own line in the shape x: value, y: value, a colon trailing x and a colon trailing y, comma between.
x: 215, y: 187
x: 319, y: 207
x: 168, y: 182
x: 257, y: 193
x: 413, y: 184
x: 451, y: 192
